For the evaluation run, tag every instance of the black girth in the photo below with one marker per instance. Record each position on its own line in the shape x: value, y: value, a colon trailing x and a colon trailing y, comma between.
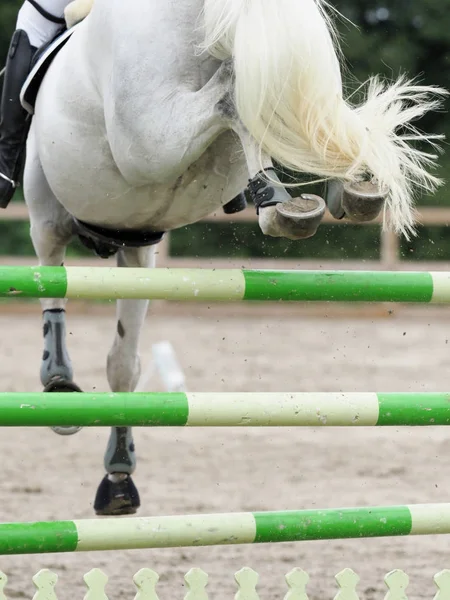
x: 106, y: 242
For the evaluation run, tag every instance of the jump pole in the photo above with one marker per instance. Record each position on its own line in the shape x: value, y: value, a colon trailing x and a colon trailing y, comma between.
x: 246, y: 409
x: 223, y: 529
x: 224, y: 285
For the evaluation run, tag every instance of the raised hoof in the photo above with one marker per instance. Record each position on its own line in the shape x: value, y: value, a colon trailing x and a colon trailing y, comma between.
x: 359, y: 202
x: 58, y: 384
x: 363, y: 201
x: 300, y: 217
x: 116, y: 498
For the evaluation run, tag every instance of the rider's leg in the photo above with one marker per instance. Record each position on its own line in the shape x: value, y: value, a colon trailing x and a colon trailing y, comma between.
x: 37, y: 23
x: 41, y: 27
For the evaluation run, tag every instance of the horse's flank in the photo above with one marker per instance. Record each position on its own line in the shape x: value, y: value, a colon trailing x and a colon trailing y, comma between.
x: 114, y: 119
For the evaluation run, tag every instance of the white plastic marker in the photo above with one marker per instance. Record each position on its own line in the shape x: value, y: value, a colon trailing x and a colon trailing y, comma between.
x: 168, y: 367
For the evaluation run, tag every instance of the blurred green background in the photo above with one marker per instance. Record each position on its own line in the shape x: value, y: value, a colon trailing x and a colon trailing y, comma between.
x: 393, y: 37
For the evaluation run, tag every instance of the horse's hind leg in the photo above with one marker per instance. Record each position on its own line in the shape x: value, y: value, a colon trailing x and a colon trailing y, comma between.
x: 51, y: 231
x: 279, y: 214
x: 117, y: 494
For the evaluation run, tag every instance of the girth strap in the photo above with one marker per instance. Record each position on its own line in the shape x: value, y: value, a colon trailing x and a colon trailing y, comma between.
x: 106, y: 242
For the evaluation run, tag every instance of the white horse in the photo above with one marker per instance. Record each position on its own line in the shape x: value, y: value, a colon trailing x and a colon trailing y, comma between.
x: 157, y: 112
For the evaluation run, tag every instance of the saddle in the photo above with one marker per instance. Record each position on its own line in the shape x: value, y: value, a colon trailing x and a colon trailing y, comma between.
x: 41, y: 63
x: 74, y: 13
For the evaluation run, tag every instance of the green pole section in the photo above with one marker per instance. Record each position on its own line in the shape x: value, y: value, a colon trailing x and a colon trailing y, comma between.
x: 37, y: 538
x: 414, y: 409
x: 342, y: 286
x: 33, y: 282
x: 332, y: 524
x: 93, y: 410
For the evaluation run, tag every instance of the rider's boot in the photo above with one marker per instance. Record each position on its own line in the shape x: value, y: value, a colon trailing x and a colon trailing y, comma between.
x: 14, y: 120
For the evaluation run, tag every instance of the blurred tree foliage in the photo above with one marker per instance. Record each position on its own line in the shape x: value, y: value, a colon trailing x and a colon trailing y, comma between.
x: 402, y: 37
x: 391, y: 37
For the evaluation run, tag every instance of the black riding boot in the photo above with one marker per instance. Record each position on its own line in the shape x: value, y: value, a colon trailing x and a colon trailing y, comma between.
x: 14, y: 120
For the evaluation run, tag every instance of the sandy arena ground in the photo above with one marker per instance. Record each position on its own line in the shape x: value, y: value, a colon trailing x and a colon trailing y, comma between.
x: 46, y: 477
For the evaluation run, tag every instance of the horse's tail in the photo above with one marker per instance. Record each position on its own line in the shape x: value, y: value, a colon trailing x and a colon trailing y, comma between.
x: 289, y: 96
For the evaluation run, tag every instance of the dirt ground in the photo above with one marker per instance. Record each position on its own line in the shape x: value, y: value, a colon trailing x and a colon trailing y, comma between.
x: 46, y: 477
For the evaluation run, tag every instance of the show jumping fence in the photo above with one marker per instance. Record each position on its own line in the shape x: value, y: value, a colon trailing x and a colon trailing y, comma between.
x: 227, y: 285
x: 180, y: 409
x: 223, y: 529
x: 242, y: 409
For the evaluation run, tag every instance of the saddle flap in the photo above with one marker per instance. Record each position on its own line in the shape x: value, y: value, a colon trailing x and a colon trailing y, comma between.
x: 33, y: 82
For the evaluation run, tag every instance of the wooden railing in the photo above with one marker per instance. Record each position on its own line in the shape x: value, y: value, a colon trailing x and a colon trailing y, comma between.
x: 389, y: 245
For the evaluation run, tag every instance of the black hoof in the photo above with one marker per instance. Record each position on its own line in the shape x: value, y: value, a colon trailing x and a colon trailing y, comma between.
x: 236, y: 205
x: 58, y: 384
x: 114, y: 499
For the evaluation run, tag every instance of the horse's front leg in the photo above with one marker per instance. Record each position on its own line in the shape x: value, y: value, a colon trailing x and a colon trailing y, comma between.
x: 51, y: 231
x: 117, y: 494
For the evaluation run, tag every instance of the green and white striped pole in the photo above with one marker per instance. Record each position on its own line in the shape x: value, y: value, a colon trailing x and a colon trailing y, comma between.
x: 223, y: 529
x: 240, y: 409
x: 223, y: 285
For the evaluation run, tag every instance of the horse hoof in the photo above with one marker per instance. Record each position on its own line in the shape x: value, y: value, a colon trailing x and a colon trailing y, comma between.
x: 116, y: 498
x: 58, y: 384
x: 300, y: 217
x: 363, y: 202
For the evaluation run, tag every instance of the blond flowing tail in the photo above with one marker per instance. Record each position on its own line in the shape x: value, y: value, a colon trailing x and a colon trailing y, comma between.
x: 289, y: 96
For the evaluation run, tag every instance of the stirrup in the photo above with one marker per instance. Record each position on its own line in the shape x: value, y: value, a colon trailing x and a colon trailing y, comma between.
x: 11, y: 181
